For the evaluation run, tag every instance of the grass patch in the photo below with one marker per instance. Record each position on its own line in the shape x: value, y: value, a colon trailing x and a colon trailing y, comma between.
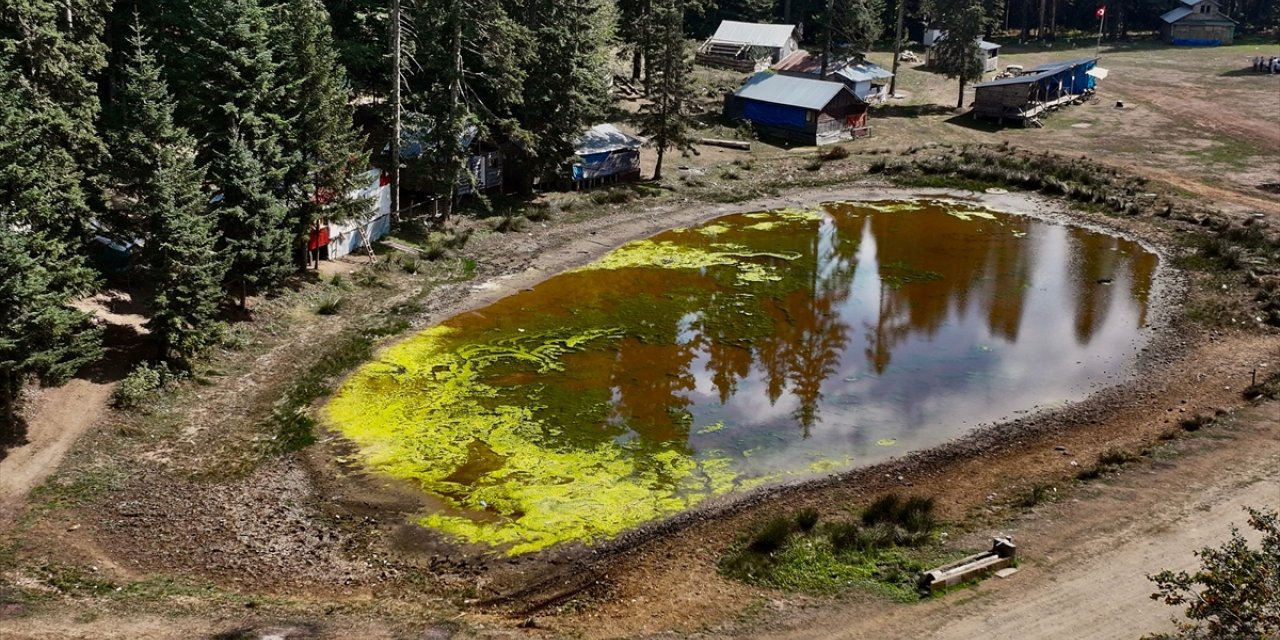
x: 330, y: 304
x: 1196, y: 422
x: 1266, y: 389
x: 1036, y: 495
x: 883, y: 551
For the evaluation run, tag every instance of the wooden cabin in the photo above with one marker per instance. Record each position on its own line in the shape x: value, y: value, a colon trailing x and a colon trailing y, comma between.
x: 604, y: 154
x: 748, y: 46
x: 867, y: 80
x: 1197, y: 23
x: 798, y: 109
x: 1024, y: 98
x: 988, y: 52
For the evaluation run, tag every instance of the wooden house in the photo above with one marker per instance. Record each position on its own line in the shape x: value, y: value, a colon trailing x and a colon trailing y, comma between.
x: 1197, y: 23
x: 988, y: 52
x: 1025, y: 97
x: 604, y: 154
x: 799, y: 109
x: 748, y: 46
x: 867, y: 80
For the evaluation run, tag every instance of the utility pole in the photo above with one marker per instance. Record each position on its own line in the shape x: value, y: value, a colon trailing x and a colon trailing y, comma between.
x: 395, y: 108
x: 897, y: 46
x: 826, y: 46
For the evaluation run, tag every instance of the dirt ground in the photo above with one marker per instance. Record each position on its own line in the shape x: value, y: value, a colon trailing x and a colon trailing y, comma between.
x: 173, y: 522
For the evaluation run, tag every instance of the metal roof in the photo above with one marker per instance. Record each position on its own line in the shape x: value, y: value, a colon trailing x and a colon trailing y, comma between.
x: 808, y: 93
x: 602, y: 138
x: 1176, y: 15
x: 987, y: 46
x: 803, y: 62
x: 752, y: 33
x: 982, y: 44
x: 1036, y: 74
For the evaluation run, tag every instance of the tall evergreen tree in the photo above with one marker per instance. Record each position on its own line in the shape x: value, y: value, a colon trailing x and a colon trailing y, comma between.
x: 252, y: 223
x: 326, y: 157
x: 852, y: 26
x: 567, y: 84
x: 50, y: 54
x: 665, y: 119
x: 958, y: 54
x: 156, y: 172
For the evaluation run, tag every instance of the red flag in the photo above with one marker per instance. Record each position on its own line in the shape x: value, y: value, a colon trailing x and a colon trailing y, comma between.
x: 1101, y: 11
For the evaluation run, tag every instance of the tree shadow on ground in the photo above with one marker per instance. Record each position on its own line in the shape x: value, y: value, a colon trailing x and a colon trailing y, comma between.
x: 985, y: 125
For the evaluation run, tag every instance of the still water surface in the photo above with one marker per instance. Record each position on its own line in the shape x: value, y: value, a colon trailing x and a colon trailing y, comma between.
x: 757, y: 348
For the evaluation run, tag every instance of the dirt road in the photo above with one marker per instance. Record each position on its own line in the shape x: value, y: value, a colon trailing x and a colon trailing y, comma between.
x: 1085, y: 562
x: 60, y: 416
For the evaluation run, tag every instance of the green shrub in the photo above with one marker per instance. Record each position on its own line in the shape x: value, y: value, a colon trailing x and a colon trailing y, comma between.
x: 616, y: 195
x: 771, y: 537
x: 916, y: 515
x: 1035, y: 495
x: 836, y: 152
x: 806, y: 519
x: 139, y: 385
x: 884, y: 509
x: 330, y: 304
x: 1197, y: 422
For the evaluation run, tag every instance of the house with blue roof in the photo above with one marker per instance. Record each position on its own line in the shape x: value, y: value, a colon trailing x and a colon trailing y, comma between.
x: 1023, y: 98
x: 1197, y: 23
x: 799, y: 109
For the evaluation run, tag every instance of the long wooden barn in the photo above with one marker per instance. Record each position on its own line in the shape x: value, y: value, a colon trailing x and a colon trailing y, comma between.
x: 1024, y: 98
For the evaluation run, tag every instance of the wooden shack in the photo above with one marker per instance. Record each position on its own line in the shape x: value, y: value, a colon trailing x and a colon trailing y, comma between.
x: 798, y: 109
x: 484, y: 162
x: 1197, y: 23
x: 1022, y: 99
x: 748, y: 46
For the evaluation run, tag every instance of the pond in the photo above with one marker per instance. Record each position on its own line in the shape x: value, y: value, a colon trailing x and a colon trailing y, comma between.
x: 757, y: 348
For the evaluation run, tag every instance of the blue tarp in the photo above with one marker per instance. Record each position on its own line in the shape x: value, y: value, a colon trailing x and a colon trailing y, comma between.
x: 773, y: 114
x: 1193, y: 42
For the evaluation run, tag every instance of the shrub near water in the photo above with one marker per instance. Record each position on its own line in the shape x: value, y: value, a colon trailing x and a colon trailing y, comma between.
x: 883, y: 550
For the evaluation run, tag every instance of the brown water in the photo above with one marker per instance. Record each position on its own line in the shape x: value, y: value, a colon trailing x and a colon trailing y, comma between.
x: 805, y: 344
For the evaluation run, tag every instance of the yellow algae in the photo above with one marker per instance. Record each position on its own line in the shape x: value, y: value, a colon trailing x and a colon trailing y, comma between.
x: 762, y: 226
x: 669, y: 255
x: 799, y: 215
x: 758, y: 215
x: 417, y: 411
x: 886, y: 442
x: 969, y: 214
x: 713, y: 229
x: 712, y: 428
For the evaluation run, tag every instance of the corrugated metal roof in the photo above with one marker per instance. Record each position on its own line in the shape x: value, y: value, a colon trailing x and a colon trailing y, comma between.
x: 1191, y: 3
x: 1036, y: 74
x: 604, y: 137
x: 803, y: 62
x: 987, y: 46
x: 1176, y: 15
x: 808, y: 93
x: 752, y: 33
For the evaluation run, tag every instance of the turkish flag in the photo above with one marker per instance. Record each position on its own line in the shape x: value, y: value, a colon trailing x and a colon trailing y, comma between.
x: 1102, y: 11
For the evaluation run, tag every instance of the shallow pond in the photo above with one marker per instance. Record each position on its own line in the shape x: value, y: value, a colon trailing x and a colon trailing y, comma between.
x: 757, y: 348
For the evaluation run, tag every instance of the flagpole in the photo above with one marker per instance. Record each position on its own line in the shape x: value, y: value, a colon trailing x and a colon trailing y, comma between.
x: 1102, y: 18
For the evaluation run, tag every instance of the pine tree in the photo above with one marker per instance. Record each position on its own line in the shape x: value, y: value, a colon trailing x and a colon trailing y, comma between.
x: 664, y: 119
x: 326, y: 155
x: 566, y: 89
x: 157, y: 174
x: 852, y: 26
x: 252, y: 223
x: 49, y: 55
x: 958, y: 54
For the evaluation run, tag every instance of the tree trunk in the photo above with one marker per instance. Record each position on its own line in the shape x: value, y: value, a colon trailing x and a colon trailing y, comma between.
x: 897, y: 46
x: 657, y: 168
x: 960, y: 100
x: 1026, y: 21
x: 636, y: 57
x: 826, y: 41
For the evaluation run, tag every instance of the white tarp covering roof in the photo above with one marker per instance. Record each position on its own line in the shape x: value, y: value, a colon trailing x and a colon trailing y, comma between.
x: 1097, y: 72
x: 755, y: 34
x: 604, y: 137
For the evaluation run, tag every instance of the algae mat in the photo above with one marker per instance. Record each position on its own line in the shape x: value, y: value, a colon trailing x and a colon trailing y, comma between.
x: 754, y: 349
